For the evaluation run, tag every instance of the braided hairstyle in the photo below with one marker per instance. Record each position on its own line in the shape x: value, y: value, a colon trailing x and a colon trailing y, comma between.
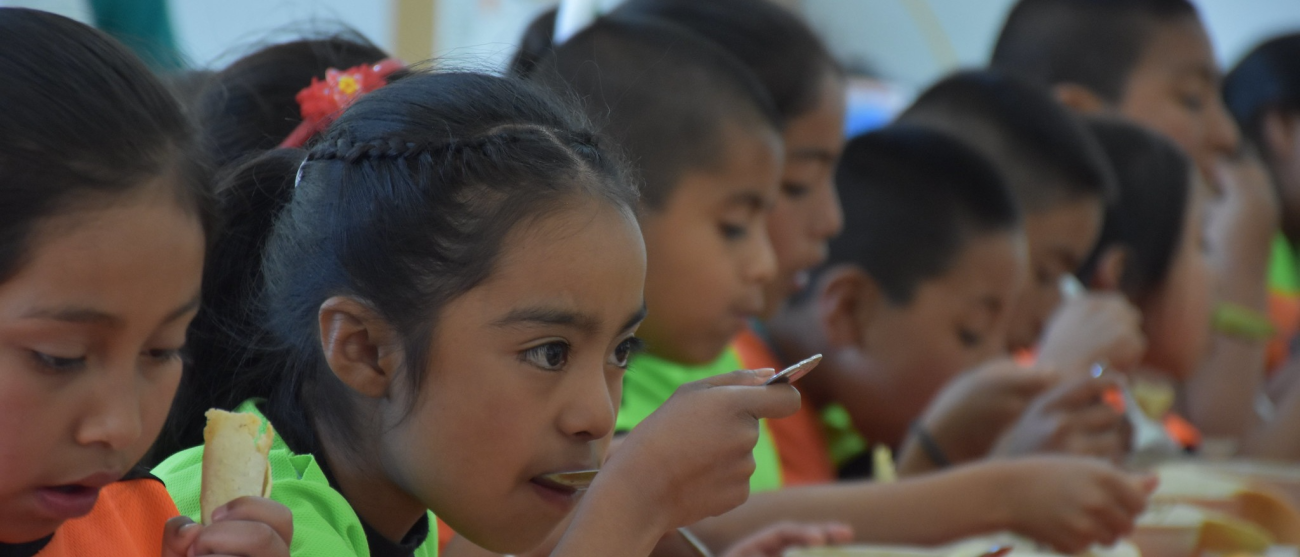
x: 403, y: 203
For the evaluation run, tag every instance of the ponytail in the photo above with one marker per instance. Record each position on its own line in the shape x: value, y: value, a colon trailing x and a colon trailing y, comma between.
x: 230, y: 357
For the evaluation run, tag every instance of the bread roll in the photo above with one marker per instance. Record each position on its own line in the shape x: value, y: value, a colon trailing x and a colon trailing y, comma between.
x: 234, y: 460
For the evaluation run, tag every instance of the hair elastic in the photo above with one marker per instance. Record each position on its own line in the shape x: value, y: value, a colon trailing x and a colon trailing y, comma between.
x: 322, y: 101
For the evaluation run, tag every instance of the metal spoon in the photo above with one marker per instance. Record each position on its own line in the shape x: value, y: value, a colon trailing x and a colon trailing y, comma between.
x: 578, y: 480
x: 1149, y: 437
x: 794, y: 372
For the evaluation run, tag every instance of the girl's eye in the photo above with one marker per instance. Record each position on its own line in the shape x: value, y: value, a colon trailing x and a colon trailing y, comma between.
x: 56, y: 363
x: 733, y: 232
x: 624, y: 351
x: 1192, y: 102
x: 550, y: 356
x: 793, y: 190
x: 162, y: 356
x: 968, y: 338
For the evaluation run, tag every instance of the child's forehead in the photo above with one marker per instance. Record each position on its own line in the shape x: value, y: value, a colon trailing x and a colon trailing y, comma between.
x: 1179, y: 48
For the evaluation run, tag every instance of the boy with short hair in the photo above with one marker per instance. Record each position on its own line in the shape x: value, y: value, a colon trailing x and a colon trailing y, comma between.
x: 1151, y: 61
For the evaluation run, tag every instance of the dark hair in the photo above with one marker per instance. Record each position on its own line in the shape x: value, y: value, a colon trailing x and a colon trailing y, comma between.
x: 537, y: 43
x: 1042, y: 151
x: 82, y: 118
x: 403, y: 204
x: 772, y: 42
x: 1093, y: 43
x: 250, y: 106
x: 1147, y: 219
x: 662, y: 93
x: 912, y: 199
x: 1267, y: 78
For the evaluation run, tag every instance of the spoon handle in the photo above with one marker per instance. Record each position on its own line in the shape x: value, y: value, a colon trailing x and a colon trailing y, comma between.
x: 695, y: 543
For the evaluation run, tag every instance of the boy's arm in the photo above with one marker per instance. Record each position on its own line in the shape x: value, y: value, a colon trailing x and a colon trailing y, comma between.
x: 1069, y: 503
x: 1278, y: 439
x: 1219, y: 398
x: 930, y: 510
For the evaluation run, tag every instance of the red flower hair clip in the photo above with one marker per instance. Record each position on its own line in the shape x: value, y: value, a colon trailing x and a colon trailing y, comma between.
x: 323, y: 100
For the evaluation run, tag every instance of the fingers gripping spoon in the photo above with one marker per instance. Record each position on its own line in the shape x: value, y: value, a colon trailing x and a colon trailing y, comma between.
x: 580, y: 480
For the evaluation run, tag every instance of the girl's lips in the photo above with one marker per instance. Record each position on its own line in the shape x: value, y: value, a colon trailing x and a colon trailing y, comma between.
x: 66, y: 502
x: 554, y: 493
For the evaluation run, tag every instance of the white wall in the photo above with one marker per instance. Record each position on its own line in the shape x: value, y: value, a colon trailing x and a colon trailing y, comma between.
x: 210, y: 31
x: 883, y: 35
x: 889, y: 36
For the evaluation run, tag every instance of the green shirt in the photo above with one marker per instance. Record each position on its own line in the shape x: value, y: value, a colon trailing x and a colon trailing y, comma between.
x: 650, y: 381
x: 324, y: 524
x: 1283, y: 271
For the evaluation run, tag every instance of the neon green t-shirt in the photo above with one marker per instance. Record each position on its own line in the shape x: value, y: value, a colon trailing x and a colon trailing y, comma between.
x: 324, y: 524
x: 650, y: 381
x: 1283, y: 270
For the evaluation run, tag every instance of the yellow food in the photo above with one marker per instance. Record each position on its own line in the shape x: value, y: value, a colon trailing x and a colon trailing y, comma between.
x: 234, y: 460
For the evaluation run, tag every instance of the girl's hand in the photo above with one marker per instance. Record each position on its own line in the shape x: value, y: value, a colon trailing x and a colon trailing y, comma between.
x: 1095, y: 327
x: 692, y: 458
x: 1072, y: 418
x: 1073, y: 503
x: 245, y: 527
x: 774, y: 540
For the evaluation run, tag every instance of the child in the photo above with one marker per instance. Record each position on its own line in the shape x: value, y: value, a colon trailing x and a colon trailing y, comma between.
x: 250, y: 106
x: 904, y: 304
x: 1151, y: 61
x: 807, y: 88
x: 1061, y: 180
x: 1151, y: 246
x: 895, y: 319
x: 101, y: 252
x: 704, y: 139
x: 454, y: 288
x: 1263, y: 94
x: 806, y: 85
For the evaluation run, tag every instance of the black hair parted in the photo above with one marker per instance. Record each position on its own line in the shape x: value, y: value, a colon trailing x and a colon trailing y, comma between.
x: 83, y: 118
x: 403, y: 204
x: 1155, y: 187
x: 913, y: 198
x: 250, y: 106
x: 661, y: 92
x: 1093, y: 43
x: 1044, y: 153
x: 1268, y: 78
x: 785, y: 54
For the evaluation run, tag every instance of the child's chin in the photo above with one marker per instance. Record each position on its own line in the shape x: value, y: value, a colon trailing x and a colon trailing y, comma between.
x: 21, y: 528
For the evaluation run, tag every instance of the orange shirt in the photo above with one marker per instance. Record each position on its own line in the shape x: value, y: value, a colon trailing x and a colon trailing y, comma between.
x: 127, y: 521
x: 800, y: 443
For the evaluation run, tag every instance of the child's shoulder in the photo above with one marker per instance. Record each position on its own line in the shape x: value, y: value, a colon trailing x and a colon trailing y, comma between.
x: 324, y: 523
x: 127, y: 520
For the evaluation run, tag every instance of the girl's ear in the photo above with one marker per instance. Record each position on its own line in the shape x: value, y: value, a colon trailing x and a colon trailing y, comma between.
x: 1079, y: 98
x: 361, y: 348
x: 846, y: 301
x: 1110, y: 269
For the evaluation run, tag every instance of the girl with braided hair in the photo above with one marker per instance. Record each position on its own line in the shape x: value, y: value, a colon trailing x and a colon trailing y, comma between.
x: 449, y: 302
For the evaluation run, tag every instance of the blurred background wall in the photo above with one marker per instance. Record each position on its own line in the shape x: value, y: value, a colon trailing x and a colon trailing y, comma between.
x: 903, y: 43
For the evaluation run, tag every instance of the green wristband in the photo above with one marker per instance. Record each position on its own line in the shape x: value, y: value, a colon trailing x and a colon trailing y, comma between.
x: 1242, y: 322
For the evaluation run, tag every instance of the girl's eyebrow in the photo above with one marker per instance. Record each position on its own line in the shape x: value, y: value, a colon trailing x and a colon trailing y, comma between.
x: 548, y: 316
x: 636, y: 318
x: 92, y: 316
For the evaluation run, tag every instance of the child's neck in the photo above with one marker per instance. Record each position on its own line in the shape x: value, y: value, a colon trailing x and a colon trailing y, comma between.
x: 797, y: 334
x: 379, y: 502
